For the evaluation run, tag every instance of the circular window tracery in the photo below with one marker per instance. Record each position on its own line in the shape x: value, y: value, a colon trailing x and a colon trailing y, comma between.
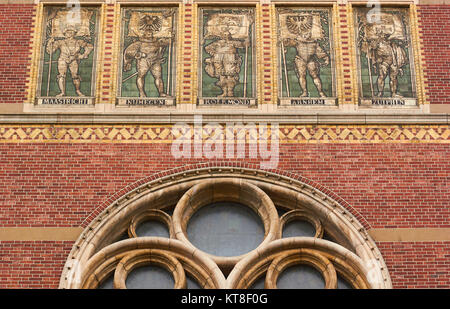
x: 152, y: 222
x: 304, y: 224
x: 98, y: 259
x: 226, y: 190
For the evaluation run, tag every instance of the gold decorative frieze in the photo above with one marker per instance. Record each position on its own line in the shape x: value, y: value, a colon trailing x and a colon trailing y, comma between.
x: 308, y: 134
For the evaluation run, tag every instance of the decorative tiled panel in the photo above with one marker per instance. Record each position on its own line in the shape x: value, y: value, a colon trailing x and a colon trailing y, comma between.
x: 68, y: 56
x: 385, y: 57
x: 227, y: 55
x: 147, y: 63
x: 306, y: 51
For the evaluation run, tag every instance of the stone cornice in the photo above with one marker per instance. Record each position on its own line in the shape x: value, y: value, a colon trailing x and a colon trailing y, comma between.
x: 281, y: 118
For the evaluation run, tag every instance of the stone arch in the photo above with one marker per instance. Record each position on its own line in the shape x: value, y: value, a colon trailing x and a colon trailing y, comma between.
x: 353, y: 254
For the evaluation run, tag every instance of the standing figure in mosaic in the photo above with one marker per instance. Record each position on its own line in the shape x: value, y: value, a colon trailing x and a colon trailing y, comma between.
x: 148, y: 52
x: 72, y: 51
x: 384, y: 45
x: 310, y: 55
x: 225, y: 62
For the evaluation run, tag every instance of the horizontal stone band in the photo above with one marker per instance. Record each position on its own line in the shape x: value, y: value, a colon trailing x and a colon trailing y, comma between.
x: 72, y: 233
x: 410, y: 234
x: 40, y: 233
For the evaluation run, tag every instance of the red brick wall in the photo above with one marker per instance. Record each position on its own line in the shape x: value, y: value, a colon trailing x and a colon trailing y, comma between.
x: 16, y: 22
x: 435, y: 33
x: 32, y: 264
x: 391, y: 185
x: 417, y: 264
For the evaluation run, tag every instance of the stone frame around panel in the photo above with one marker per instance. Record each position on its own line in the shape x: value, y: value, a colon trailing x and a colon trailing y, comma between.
x: 393, y: 101
x: 330, y: 98
x: 85, y: 39
x: 249, y: 58
x: 167, y: 64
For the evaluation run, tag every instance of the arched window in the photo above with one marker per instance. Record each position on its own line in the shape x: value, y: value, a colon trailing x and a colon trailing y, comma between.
x: 225, y: 228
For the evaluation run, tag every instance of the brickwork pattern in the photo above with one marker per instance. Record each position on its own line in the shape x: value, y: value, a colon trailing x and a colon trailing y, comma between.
x: 106, y: 86
x: 391, y: 185
x: 57, y: 184
x: 434, y: 31
x: 417, y: 264
x: 32, y: 264
x: 167, y: 134
x: 15, y: 51
x: 266, y: 55
x: 189, y: 49
x: 347, y: 77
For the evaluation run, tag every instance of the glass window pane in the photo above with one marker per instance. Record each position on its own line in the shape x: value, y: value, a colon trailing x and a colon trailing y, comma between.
x: 300, y: 277
x: 152, y: 228
x: 107, y: 283
x: 298, y: 228
x: 281, y: 211
x: 169, y: 210
x: 225, y: 229
x: 150, y: 277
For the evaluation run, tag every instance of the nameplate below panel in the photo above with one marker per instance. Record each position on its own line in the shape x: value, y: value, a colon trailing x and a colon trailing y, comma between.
x: 388, y: 102
x: 66, y: 101
x: 144, y: 102
x: 249, y: 102
x: 308, y: 101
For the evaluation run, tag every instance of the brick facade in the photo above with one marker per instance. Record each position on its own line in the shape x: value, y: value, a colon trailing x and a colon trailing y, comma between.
x: 434, y: 30
x: 391, y: 185
x: 15, y: 35
x: 55, y: 182
x: 417, y: 264
x: 32, y: 265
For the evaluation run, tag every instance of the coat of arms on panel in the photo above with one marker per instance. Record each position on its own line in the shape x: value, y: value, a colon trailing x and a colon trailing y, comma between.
x: 147, y: 62
x: 306, y: 67
x: 385, y: 57
x: 227, y: 64
x: 68, y: 56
